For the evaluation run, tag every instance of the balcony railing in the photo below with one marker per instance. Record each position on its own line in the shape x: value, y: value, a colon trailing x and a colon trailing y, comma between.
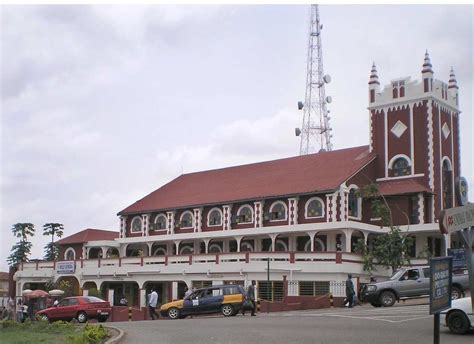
x: 212, y: 258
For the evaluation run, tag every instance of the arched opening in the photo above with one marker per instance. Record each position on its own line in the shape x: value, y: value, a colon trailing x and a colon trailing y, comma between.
x: 129, y: 290
x: 92, y: 290
x: 216, y: 246
x: 136, y: 250
x: 70, y: 254
x: 159, y: 250
x: 355, y: 237
x: 68, y: 284
x: 95, y: 253
x: 282, y: 244
x: 447, y: 184
x: 112, y: 252
x: 247, y: 245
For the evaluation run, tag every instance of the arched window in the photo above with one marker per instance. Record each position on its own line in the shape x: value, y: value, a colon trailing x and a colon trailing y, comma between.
x: 186, y: 249
x: 186, y: 219
x: 354, y: 203
x: 160, y: 251
x: 400, y: 167
x: 70, y: 254
x: 278, y: 211
x: 245, y: 214
x: 447, y: 184
x: 281, y: 246
x: 314, y: 208
x: 318, y: 245
x: 246, y: 246
x: 215, y: 248
x: 160, y: 222
x: 215, y: 217
x: 136, y: 225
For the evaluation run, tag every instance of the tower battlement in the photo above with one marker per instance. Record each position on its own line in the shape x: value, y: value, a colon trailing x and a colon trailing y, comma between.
x: 404, y: 90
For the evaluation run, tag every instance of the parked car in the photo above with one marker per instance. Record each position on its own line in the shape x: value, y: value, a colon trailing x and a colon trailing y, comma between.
x: 460, y: 317
x: 226, y: 299
x: 409, y: 282
x: 80, y: 307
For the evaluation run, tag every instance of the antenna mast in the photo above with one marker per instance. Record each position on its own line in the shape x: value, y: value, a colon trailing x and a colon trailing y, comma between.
x: 315, y: 131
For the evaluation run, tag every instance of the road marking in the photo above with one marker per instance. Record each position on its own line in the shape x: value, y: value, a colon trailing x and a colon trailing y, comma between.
x: 390, y: 315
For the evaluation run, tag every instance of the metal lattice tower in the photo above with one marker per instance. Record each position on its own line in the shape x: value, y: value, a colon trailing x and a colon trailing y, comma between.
x: 315, y: 131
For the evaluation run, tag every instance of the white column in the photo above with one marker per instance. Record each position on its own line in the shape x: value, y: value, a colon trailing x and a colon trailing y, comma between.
x: 447, y: 243
x: 273, y: 237
x: 227, y: 217
x: 238, y: 239
x: 421, y: 209
x: 111, y: 297
x: 311, y: 237
x: 258, y: 214
x: 197, y: 220
x: 206, y: 245
x: 196, y: 247
x: 84, y: 252
x: 412, y: 139
x: 170, y: 222
x: 104, y: 252
x: 176, y: 244
x: 293, y: 211
x: 85, y: 292
x: 150, y: 244
x: 174, y: 290
x: 142, y: 298
x: 344, y: 205
x: 348, y: 236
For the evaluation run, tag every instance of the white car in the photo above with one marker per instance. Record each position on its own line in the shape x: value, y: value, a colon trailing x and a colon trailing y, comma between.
x: 459, y: 318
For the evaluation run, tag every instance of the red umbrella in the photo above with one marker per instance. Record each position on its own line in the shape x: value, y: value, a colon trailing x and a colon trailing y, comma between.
x: 37, y: 293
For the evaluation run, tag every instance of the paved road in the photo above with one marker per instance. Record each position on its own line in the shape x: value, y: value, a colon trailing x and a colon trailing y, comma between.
x: 362, y: 324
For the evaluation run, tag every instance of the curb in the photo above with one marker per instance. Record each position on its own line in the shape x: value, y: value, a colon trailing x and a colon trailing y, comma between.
x: 115, y: 339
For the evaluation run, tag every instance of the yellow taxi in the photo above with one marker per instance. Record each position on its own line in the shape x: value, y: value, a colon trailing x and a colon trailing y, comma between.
x: 226, y: 299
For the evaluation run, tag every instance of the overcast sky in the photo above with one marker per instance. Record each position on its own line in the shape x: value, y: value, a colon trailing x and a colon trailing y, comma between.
x: 101, y: 105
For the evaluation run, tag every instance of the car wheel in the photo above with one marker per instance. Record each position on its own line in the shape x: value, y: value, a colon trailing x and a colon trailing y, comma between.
x: 376, y: 304
x: 227, y: 310
x: 387, y: 298
x: 456, y: 293
x: 44, y: 317
x: 81, y: 317
x: 458, y: 322
x: 173, y: 313
x: 102, y: 319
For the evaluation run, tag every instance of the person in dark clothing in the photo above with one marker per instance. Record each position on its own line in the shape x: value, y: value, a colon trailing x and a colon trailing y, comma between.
x: 251, y: 298
x: 31, y: 309
x: 349, y: 291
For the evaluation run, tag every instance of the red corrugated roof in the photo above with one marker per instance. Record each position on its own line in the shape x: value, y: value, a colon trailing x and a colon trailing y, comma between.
x: 89, y: 234
x: 401, y: 186
x: 291, y: 176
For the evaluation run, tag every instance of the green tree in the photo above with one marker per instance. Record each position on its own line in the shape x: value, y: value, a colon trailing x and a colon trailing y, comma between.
x: 390, y: 249
x: 52, y: 248
x: 22, y: 249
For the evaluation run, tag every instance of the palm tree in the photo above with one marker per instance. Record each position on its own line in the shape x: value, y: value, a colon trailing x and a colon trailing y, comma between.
x: 52, y: 249
x: 21, y: 250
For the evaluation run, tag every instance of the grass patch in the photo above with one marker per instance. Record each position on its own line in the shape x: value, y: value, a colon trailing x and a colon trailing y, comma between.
x: 59, y: 332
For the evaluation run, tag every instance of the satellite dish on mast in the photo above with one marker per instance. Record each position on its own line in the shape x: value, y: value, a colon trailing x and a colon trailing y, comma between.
x: 297, y: 131
x: 327, y: 78
x: 328, y: 99
x: 300, y: 105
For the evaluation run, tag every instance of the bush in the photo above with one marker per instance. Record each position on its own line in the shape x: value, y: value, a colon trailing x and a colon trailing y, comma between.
x: 92, y: 335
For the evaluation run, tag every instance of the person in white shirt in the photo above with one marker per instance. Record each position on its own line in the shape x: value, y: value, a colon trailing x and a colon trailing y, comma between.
x: 152, y: 301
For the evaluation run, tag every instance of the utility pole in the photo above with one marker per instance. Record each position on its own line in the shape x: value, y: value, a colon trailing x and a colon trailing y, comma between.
x: 315, y: 131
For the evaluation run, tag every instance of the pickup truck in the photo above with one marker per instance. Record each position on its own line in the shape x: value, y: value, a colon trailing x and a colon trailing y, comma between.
x: 409, y: 282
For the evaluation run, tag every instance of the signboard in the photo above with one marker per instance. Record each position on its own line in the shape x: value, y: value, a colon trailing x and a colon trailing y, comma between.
x: 455, y: 219
x: 440, y: 284
x: 459, y: 258
x: 67, y: 267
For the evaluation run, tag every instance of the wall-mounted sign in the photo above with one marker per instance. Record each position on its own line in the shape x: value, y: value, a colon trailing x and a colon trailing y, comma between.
x: 67, y: 267
x: 455, y: 219
x: 462, y: 190
x: 459, y: 258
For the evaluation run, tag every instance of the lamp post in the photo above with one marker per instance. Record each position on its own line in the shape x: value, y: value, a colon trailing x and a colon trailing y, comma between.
x: 268, y: 285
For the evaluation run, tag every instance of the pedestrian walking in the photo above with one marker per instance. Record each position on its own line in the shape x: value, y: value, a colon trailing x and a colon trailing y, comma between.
x: 349, y: 291
x: 250, y: 297
x: 24, y: 310
x: 152, y: 301
x: 188, y: 292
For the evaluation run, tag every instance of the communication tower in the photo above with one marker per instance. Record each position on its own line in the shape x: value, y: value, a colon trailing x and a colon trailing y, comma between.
x: 315, y: 131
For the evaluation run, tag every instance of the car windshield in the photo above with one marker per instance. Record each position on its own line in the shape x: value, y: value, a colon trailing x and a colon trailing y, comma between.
x: 397, y: 275
x: 92, y: 299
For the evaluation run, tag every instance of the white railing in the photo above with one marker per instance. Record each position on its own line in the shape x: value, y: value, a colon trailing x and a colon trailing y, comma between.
x: 211, y: 258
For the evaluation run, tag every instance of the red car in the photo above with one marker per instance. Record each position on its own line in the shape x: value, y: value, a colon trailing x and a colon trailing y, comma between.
x: 80, y: 307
